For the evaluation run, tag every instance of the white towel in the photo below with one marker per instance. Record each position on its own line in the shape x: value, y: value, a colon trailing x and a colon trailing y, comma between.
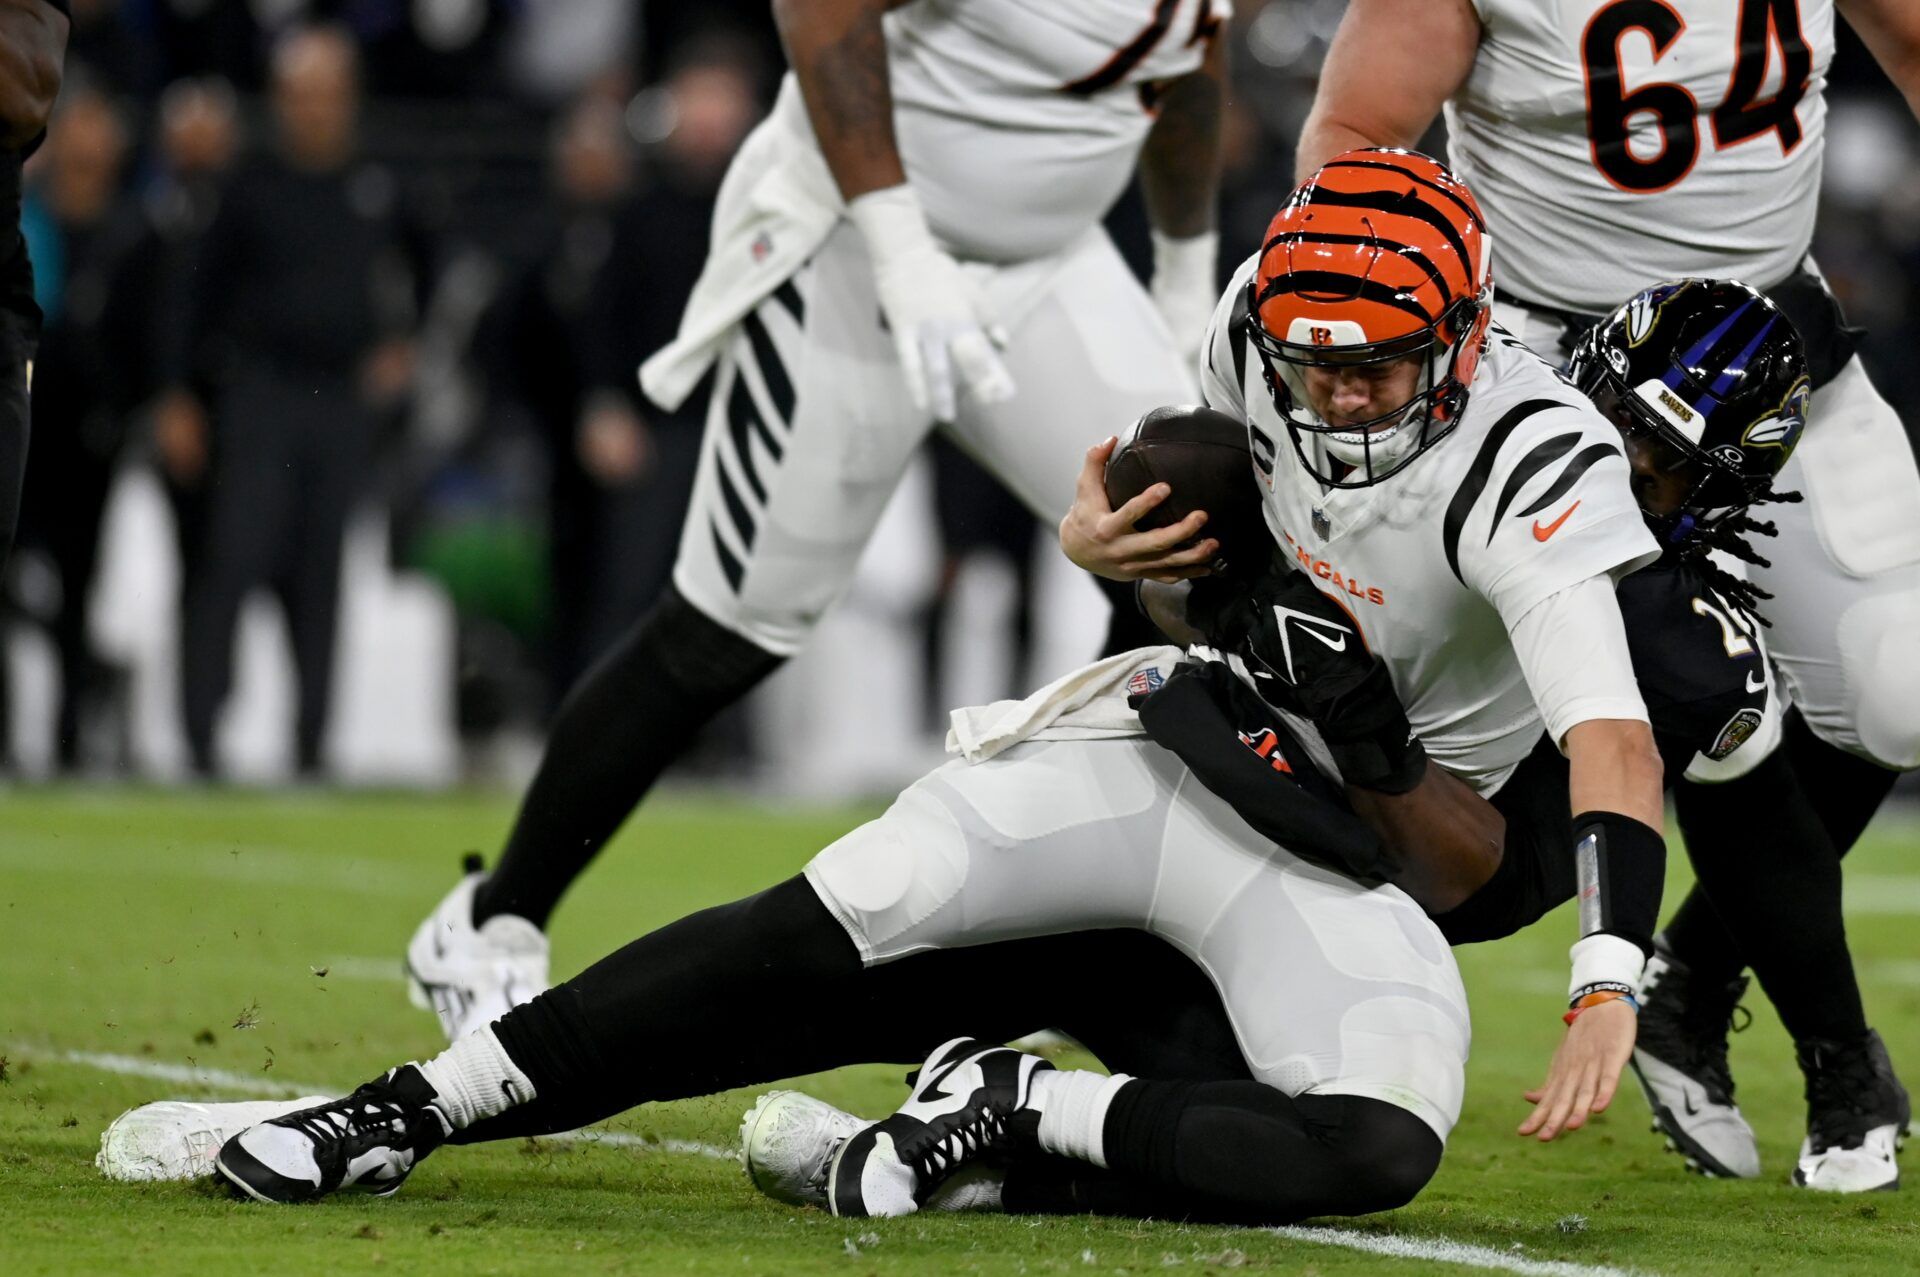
x: 1088, y: 704
x: 776, y: 206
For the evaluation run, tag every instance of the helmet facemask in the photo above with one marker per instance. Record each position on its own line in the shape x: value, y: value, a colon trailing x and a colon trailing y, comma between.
x: 1714, y: 492
x: 1357, y: 454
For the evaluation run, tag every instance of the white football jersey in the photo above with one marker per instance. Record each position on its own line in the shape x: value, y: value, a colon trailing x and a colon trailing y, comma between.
x: 1528, y: 496
x: 1616, y: 143
x: 1020, y: 124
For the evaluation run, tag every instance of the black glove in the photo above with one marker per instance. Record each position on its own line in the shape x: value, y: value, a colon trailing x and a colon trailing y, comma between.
x: 1244, y: 753
x: 1308, y: 657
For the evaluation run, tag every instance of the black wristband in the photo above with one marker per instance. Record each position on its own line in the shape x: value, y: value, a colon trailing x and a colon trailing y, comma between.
x: 1620, y: 866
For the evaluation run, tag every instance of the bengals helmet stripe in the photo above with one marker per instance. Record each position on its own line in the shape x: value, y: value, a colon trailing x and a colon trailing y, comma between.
x: 1471, y: 213
x: 1407, y: 251
x: 1400, y: 205
x: 1328, y: 282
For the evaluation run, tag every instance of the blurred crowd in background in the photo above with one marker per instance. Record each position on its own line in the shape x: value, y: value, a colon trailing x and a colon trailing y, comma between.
x: 340, y: 469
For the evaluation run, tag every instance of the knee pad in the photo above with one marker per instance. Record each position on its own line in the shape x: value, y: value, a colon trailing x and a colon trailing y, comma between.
x: 1883, y: 676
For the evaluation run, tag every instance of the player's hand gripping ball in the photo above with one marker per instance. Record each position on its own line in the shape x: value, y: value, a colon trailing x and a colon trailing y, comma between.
x: 1203, y: 458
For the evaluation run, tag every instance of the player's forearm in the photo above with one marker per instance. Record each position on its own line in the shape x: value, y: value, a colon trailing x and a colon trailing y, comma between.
x: 33, y: 39
x: 1443, y: 839
x: 1423, y: 48
x: 1891, y: 31
x: 838, y: 51
x: 1614, y: 766
x: 1180, y: 163
x: 1619, y: 853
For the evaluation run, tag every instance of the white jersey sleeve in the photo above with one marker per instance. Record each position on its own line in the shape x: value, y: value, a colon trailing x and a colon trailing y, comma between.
x: 1545, y: 505
x: 1224, y: 352
x: 1572, y: 647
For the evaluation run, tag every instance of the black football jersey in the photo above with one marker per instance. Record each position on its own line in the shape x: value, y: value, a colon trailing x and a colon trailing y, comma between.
x: 1700, y: 663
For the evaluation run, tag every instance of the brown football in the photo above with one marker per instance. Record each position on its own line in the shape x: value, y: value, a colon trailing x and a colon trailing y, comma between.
x: 1202, y: 457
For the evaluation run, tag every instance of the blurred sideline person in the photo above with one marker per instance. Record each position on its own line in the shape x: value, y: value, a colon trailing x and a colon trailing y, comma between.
x: 606, y: 295
x: 33, y: 40
x: 1615, y: 144
x: 301, y: 283
x: 87, y: 387
x: 198, y: 139
x: 910, y: 242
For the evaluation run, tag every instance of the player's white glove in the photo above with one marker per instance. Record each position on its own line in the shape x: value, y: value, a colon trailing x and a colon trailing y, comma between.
x: 1184, y: 289
x: 941, y: 324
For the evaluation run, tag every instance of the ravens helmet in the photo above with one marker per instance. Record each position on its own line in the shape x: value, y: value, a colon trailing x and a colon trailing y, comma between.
x: 1717, y: 376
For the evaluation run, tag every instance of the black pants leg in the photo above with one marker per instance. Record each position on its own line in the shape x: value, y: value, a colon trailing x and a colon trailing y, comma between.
x: 708, y: 1003
x: 334, y: 440
x: 636, y: 711
x: 252, y: 494
x: 1768, y: 895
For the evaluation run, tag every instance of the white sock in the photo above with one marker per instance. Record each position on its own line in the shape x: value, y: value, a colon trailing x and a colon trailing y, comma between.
x: 1073, y: 1111
x: 476, y: 1079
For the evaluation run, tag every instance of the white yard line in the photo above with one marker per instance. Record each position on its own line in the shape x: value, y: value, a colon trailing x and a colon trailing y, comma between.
x: 225, y: 1080
x: 1432, y: 1249
x: 1439, y: 1250
x: 189, y: 1074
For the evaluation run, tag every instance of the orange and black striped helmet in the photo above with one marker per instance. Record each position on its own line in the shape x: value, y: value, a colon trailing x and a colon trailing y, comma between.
x: 1380, y: 257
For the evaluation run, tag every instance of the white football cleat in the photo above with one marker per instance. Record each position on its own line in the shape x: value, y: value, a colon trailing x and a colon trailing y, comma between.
x: 1870, y: 1166
x: 471, y: 976
x: 787, y: 1140
x: 1857, y: 1116
x: 964, y: 1101
x: 178, y: 1139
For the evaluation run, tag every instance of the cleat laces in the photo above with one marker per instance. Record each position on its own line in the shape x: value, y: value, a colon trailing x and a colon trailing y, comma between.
x: 1847, y: 1094
x: 1692, y: 1033
x: 959, y: 1145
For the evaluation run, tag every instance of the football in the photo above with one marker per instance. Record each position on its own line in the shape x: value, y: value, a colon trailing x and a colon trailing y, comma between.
x: 1202, y: 455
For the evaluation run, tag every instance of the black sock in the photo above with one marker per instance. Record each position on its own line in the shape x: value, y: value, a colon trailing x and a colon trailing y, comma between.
x: 1768, y: 896
x: 1242, y: 1152
x: 701, y: 1005
x: 632, y: 715
x: 1845, y: 789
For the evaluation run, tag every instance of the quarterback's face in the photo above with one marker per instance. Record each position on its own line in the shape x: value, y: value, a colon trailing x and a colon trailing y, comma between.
x: 1349, y: 395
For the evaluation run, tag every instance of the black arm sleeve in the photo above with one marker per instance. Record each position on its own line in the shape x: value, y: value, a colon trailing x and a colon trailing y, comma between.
x: 1246, y: 755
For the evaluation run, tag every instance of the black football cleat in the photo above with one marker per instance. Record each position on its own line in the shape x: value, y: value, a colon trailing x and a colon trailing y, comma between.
x: 969, y: 1099
x: 1857, y: 1116
x: 368, y: 1142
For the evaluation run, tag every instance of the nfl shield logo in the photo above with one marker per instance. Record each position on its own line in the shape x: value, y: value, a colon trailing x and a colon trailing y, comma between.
x: 1322, y: 526
x: 1145, y: 682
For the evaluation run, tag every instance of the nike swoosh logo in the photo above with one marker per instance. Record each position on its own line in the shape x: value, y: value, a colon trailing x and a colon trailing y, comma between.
x: 933, y: 1091
x: 1332, y: 634
x: 1687, y: 1098
x: 1542, y: 533
x: 1756, y: 681
x: 1339, y: 645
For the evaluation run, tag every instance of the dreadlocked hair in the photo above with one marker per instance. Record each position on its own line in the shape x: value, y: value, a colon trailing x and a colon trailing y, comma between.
x: 1729, y: 536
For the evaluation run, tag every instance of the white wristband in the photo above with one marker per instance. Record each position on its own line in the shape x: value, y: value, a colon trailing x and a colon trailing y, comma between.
x: 893, y: 223
x: 1605, y: 959
x: 1193, y: 257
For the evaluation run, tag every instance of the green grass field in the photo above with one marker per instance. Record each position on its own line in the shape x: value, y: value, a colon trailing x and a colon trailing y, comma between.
x: 142, y: 932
